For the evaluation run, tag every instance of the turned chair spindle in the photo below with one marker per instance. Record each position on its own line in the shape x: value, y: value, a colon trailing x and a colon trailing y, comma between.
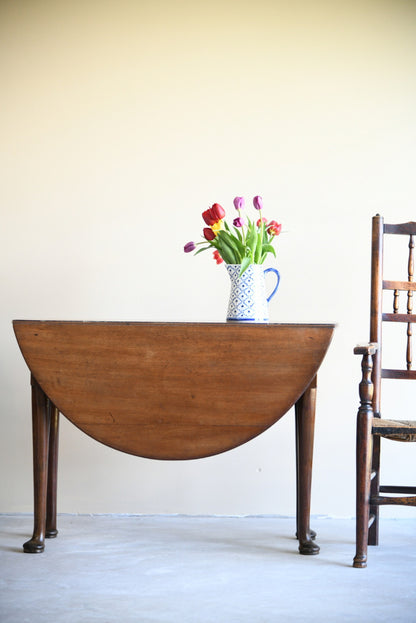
x: 410, y: 304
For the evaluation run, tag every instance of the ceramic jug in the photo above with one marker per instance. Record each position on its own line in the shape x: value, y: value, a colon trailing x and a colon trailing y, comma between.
x: 248, y: 301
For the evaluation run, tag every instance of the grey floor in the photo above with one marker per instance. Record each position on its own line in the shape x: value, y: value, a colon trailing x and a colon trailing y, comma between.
x: 184, y: 569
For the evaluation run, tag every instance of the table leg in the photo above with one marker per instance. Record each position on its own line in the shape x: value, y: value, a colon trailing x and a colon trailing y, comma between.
x: 51, y: 530
x: 305, y: 426
x: 41, y: 427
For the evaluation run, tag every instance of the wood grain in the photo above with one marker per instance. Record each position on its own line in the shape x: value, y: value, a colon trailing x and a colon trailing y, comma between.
x: 172, y: 390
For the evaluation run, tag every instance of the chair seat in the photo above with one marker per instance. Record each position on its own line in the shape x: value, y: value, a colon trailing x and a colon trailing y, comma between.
x: 398, y: 430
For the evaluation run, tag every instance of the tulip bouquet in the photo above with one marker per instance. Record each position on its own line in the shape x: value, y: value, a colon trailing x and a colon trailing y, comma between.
x: 246, y: 242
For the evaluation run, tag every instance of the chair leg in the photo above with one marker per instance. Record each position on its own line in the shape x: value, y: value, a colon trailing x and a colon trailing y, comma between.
x: 364, y: 450
x: 363, y: 467
x: 374, y: 492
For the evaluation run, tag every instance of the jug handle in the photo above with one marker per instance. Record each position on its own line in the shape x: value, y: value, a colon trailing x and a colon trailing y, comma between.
x: 276, y: 272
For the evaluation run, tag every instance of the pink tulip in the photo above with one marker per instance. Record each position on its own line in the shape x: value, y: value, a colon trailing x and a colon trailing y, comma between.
x: 258, y: 202
x: 239, y: 203
x: 238, y: 222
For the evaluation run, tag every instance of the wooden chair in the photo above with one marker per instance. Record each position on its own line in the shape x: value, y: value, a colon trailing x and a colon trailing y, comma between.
x: 370, y: 425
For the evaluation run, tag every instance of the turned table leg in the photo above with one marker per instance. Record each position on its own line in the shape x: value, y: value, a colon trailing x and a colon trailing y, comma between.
x: 41, y: 428
x: 305, y: 426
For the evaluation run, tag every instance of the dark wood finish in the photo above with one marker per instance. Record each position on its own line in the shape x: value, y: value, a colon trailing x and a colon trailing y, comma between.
x: 364, y: 454
x: 305, y: 428
x: 407, y: 500
x: 169, y: 391
x: 391, y: 427
x: 410, y: 271
x: 386, y: 373
x: 404, y: 489
x: 370, y: 426
x: 51, y: 530
x: 40, y: 433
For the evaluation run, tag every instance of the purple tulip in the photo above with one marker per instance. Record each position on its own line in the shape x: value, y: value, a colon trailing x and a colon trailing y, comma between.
x: 238, y: 222
x: 239, y: 203
x: 189, y: 247
x: 258, y: 202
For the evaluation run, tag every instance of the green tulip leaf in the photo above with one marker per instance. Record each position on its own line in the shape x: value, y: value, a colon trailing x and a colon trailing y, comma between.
x: 234, y: 245
x: 259, y: 248
x: 251, y: 240
x: 267, y: 248
x: 245, y: 264
x: 202, y: 249
x: 226, y: 247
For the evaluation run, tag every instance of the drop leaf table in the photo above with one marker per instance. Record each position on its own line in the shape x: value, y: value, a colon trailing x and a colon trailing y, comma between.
x: 171, y: 391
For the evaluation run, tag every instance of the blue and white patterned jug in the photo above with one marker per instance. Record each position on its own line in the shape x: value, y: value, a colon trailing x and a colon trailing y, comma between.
x: 248, y: 301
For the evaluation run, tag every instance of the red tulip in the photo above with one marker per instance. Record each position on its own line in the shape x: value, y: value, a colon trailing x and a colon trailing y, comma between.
x: 214, y: 214
x: 208, y: 233
x: 274, y: 228
x: 217, y: 257
x: 207, y: 216
x: 218, y: 212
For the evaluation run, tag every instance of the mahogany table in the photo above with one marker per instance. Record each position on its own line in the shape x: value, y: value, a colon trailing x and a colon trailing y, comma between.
x: 169, y: 391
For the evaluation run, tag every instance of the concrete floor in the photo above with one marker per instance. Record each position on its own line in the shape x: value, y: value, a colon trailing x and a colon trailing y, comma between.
x: 180, y: 569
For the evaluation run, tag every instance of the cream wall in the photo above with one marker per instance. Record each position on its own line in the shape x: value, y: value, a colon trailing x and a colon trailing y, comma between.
x: 120, y: 122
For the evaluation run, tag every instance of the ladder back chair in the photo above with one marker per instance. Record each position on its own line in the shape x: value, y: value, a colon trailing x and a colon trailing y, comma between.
x: 371, y: 425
